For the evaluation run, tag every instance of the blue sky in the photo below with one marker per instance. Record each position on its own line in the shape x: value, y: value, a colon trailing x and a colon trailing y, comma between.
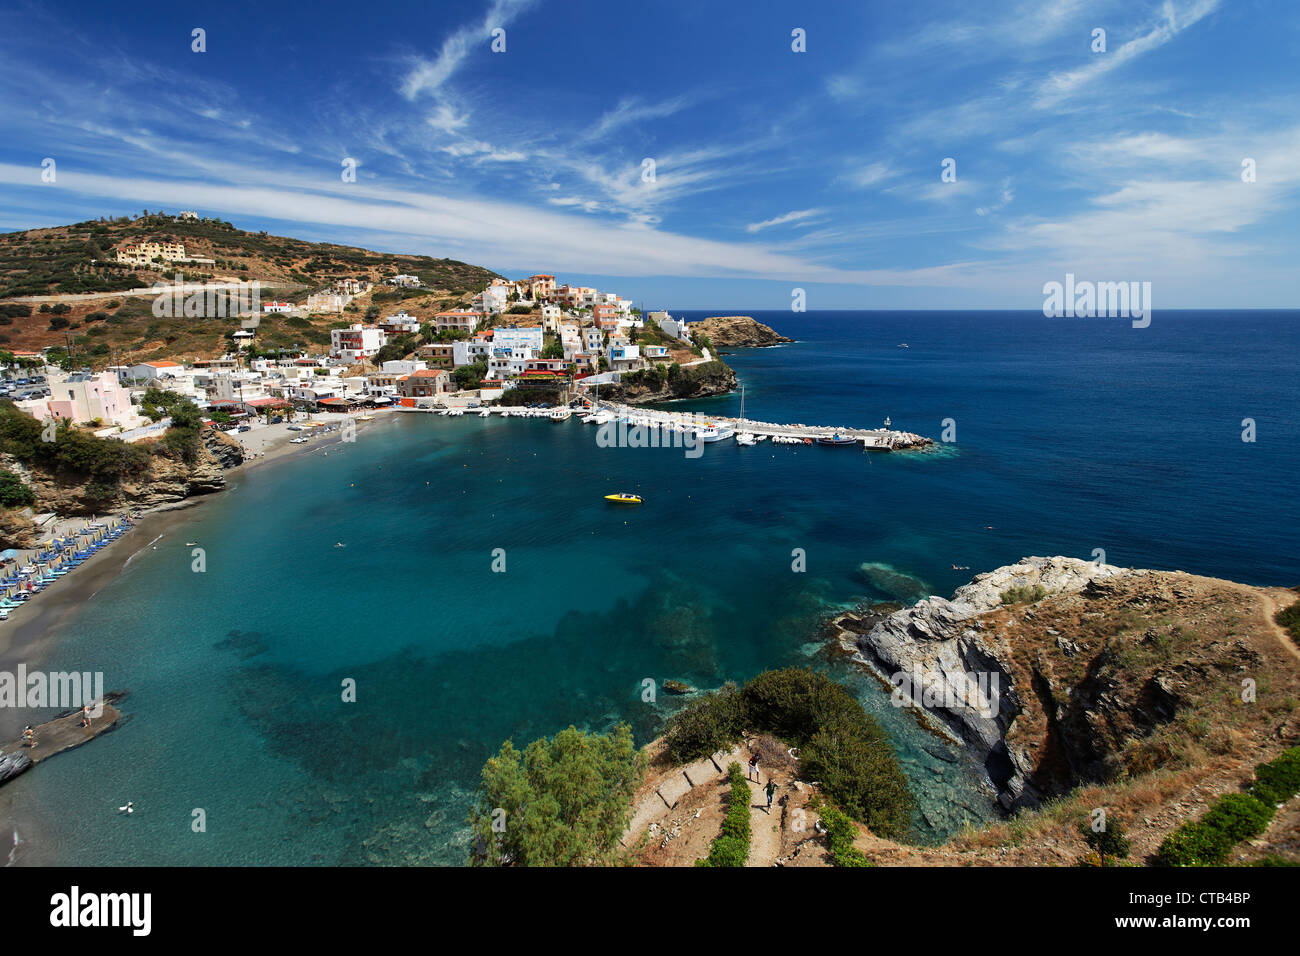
x: 773, y: 169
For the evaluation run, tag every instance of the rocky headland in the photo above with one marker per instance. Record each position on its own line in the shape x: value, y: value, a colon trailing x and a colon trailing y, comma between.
x: 737, y: 331
x: 1057, y: 672
x: 167, y: 479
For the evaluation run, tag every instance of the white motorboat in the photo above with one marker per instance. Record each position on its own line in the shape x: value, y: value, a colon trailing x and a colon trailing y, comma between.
x: 714, y: 433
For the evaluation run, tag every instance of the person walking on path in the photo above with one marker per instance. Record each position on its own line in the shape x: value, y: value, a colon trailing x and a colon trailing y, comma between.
x: 769, y: 790
x: 753, y: 767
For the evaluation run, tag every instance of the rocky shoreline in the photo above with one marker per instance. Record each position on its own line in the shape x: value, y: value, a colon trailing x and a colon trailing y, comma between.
x: 168, y: 481
x: 703, y: 380
x: 1023, y: 665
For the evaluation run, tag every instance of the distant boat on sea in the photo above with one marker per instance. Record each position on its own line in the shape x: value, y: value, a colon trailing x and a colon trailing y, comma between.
x: 836, y: 441
x: 623, y: 498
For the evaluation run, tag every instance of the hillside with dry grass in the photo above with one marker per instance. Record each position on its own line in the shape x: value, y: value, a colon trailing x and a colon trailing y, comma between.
x: 77, y: 264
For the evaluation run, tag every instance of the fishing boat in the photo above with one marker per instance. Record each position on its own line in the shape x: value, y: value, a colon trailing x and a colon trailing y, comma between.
x: 836, y: 440
x: 561, y: 414
x: 713, y: 433
x: 623, y: 498
x: 746, y: 438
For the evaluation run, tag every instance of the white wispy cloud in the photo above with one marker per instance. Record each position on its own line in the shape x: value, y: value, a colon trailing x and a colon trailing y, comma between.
x: 1175, y: 18
x: 794, y: 216
x: 429, y: 76
x: 502, y: 234
x: 631, y: 110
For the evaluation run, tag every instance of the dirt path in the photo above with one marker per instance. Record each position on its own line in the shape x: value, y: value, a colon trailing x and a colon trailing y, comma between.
x: 765, y: 827
x: 1269, y: 597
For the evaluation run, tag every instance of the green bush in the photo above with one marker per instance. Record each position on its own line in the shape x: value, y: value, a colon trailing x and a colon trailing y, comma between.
x: 72, y: 453
x: 563, y: 801
x: 1209, y: 841
x: 705, y: 725
x: 842, y: 747
x: 731, y: 847
x: 727, y: 851
x: 840, y: 833
x: 1279, y: 780
x: 1193, y: 845
x: 13, y: 493
x: 1239, y: 816
x: 1109, y: 841
x: 1289, y: 618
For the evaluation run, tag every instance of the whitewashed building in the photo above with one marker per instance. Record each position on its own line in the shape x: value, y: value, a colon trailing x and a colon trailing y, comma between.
x: 357, y: 342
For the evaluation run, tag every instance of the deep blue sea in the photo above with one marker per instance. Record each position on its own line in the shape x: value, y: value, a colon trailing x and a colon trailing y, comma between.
x: 1070, y: 435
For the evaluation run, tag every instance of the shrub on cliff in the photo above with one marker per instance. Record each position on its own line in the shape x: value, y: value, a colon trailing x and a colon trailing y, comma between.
x: 840, y: 834
x: 1278, y: 780
x: 1209, y: 840
x: 71, y: 454
x: 842, y: 747
x: 1289, y: 618
x: 1108, y: 842
x: 706, y: 724
x: 561, y: 802
x: 13, y: 493
x: 1023, y: 594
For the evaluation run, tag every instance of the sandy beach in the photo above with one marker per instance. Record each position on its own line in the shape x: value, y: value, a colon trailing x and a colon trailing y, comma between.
x: 35, y: 628
x: 31, y: 629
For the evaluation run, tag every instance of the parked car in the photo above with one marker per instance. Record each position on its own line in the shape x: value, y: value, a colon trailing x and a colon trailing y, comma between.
x: 295, y: 428
x: 245, y: 428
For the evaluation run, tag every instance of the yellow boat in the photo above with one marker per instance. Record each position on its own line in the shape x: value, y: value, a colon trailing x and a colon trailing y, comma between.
x: 623, y: 498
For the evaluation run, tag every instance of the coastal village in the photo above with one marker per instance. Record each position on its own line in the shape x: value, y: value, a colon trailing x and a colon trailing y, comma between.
x: 529, y: 347
x: 530, y: 343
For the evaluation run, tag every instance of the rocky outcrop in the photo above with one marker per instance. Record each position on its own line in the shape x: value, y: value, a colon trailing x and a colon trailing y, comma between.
x: 738, y: 331
x: 938, y: 655
x: 228, y: 452
x: 1057, y: 672
x: 17, y: 529
x: 689, y: 381
x: 166, y: 480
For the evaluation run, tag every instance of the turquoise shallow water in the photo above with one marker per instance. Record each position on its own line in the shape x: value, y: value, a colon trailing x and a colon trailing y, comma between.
x: 1070, y: 438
